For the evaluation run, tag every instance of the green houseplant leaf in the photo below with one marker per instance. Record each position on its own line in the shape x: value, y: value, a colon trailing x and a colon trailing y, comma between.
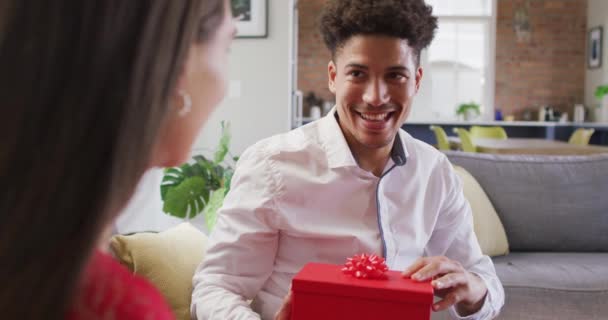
x: 186, y: 199
x: 173, y: 177
x: 463, y: 108
x: 215, y: 202
x: 199, y: 187
x: 601, y: 91
x: 228, y: 178
x: 222, y: 149
x: 209, y: 171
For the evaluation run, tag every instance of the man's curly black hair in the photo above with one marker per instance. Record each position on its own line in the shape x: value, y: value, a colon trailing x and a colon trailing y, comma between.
x: 411, y: 20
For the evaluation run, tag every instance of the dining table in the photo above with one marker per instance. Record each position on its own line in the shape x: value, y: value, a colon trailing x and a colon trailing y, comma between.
x: 529, y: 146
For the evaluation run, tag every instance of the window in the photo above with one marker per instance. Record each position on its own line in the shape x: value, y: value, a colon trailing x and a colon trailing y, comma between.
x: 459, y: 64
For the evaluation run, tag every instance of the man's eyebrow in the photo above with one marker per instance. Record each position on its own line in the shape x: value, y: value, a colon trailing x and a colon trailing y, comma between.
x: 397, y: 68
x: 362, y: 66
x: 356, y: 65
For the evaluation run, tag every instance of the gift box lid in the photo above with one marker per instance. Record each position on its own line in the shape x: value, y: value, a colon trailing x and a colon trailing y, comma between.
x: 329, y: 279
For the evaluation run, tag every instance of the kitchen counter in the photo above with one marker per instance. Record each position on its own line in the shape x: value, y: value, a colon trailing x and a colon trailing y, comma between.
x: 492, y: 123
x: 515, y: 129
x: 513, y: 123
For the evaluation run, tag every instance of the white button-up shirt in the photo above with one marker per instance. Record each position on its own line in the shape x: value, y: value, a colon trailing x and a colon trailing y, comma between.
x: 300, y: 197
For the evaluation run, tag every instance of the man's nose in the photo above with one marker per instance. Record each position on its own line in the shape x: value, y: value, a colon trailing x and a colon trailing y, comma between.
x: 376, y: 93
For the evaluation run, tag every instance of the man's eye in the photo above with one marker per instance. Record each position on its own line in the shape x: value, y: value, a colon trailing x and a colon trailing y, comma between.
x: 397, y: 76
x: 356, y: 74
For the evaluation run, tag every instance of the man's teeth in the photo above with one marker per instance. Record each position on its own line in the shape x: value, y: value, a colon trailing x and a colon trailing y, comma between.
x: 374, y: 116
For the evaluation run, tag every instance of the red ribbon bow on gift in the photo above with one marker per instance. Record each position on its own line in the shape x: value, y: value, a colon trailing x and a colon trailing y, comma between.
x: 365, y: 266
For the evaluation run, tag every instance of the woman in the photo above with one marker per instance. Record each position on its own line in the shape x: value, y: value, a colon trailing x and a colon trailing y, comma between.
x: 94, y: 93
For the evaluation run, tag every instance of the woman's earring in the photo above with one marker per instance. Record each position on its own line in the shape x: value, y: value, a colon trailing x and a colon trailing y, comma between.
x: 187, y: 103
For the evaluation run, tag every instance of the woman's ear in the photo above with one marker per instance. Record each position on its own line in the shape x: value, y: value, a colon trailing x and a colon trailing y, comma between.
x: 197, y: 92
x: 180, y: 104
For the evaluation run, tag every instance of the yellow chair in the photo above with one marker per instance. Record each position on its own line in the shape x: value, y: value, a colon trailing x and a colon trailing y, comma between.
x: 488, y: 132
x: 442, y: 138
x: 466, y: 141
x: 581, y: 136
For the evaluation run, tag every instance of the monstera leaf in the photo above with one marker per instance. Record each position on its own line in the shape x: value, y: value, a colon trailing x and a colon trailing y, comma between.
x: 186, y: 199
x: 199, y: 187
x: 173, y: 177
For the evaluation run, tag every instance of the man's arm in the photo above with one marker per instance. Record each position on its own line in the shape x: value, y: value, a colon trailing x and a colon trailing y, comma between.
x: 242, y: 246
x: 471, y: 274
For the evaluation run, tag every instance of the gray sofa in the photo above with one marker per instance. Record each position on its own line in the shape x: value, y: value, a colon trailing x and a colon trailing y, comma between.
x: 555, y: 213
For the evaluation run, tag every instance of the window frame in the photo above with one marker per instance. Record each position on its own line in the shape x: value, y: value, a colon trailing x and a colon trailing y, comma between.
x: 489, y: 93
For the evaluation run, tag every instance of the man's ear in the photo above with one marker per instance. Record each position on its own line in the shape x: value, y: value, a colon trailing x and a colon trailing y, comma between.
x: 331, y: 74
x: 419, y: 74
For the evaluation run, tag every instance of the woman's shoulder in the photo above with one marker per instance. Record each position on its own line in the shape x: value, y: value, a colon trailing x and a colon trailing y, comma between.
x: 109, y: 289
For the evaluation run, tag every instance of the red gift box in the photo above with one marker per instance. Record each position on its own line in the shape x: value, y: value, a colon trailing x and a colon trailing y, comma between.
x: 323, y: 291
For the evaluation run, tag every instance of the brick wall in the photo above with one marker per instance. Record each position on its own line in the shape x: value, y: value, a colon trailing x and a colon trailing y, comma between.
x: 547, y: 69
x: 313, y: 56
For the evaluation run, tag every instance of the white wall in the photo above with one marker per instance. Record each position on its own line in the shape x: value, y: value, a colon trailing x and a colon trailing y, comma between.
x: 144, y: 211
x: 597, y: 15
x: 261, y: 68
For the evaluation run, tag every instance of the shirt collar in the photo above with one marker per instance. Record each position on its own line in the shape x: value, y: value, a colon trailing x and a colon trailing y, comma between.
x: 338, y: 153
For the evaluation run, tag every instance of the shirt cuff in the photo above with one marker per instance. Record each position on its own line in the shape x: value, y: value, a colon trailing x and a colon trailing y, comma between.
x: 484, y: 311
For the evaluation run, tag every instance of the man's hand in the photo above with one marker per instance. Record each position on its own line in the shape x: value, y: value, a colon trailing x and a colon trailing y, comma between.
x: 284, y: 312
x: 454, y: 284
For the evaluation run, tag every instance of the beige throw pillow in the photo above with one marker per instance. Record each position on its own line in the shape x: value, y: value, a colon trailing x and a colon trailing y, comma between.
x: 167, y: 259
x: 488, y: 227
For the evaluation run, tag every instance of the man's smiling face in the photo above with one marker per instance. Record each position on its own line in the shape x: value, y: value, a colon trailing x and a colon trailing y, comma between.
x: 375, y: 79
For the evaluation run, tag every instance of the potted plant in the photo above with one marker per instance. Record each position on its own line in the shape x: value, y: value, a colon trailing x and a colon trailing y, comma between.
x: 601, y: 93
x: 200, y: 186
x: 468, y: 111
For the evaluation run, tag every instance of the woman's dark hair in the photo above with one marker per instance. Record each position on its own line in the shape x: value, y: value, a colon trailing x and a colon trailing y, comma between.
x: 84, y: 87
x: 411, y: 20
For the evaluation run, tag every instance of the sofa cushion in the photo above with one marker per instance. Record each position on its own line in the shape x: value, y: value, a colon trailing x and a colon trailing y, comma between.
x: 546, y: 203
x: 168, y: 259
x: 554, y: 285
x: 488, y: 228
x: 577, y: 271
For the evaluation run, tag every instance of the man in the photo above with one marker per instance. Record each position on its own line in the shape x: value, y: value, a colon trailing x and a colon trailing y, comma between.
x: 350, y: 183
